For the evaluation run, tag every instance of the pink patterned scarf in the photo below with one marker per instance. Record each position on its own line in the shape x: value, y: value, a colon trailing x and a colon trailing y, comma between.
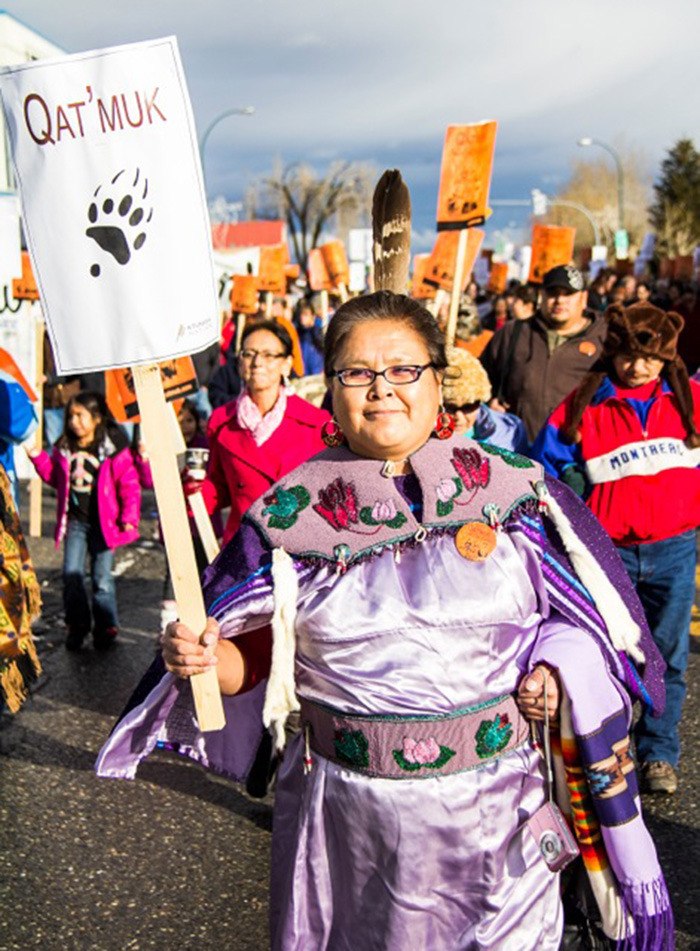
x: 260, y: 427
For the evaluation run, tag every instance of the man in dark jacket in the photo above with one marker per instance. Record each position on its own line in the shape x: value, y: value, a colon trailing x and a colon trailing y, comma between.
x: 534, y: 364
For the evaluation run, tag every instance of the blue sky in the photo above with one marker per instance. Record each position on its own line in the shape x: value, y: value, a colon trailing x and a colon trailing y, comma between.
x: 379, y: 80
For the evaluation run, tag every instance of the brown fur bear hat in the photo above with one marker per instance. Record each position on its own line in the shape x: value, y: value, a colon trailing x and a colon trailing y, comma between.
x: 638, y: 330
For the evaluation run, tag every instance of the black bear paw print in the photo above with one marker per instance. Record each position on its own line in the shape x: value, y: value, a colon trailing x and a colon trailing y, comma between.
x: 118, y: 224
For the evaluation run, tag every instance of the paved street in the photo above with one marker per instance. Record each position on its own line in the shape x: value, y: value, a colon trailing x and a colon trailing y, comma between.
x: 174, y: 859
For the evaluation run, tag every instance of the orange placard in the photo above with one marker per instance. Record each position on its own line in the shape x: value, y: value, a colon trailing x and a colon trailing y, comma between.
x: 179, y: 380
x: 292, y: 272
x: 440, y: 268
x: 244, y: 294
x: 336, y: 261
x: 683, y: 267
x: 9, y: 366
x: 319, y: 278
x: 551, y: 245
x: 419, y: 288
x: 24, y: 288
x: 271, y: 269
x: 498, y: 278
x: 465, y: 175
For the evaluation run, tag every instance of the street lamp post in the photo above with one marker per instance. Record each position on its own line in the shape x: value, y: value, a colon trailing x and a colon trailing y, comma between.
x: 587, y: 140
x: 241, y: 111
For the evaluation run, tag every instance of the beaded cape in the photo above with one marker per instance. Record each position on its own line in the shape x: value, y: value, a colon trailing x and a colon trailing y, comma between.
x: 361, y: 512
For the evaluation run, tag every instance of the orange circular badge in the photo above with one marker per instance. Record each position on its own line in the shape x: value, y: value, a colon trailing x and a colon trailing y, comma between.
x: 587, y: 348
x: 475, y: 541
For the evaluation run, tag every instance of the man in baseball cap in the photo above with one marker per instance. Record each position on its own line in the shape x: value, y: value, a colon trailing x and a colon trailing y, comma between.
x: 534, y: 364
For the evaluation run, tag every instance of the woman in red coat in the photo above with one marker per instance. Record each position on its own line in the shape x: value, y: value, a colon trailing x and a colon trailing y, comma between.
x: 262, y: 435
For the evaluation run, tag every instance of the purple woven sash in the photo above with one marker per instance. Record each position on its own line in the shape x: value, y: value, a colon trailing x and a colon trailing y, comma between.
x: 415, y: 747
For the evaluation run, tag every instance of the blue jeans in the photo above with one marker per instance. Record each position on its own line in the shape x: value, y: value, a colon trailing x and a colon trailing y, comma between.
x: 82, y: 539
x: 664, y: 575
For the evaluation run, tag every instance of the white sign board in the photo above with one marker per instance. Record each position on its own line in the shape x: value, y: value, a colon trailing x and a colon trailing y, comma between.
x: 10, y: 246
x: 106, y: 158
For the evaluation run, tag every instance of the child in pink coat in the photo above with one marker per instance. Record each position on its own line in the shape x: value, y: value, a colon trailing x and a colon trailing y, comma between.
x: 99, y: 502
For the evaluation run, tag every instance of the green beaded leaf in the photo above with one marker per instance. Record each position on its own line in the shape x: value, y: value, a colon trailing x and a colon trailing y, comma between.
x: 493, y: 736
x: 444, y: 508
x: 366, y: 516
x: 285, y: 508
x: 512, y: 458
x: 351, y: 747
x: 458, y: 482
x: 397, y: 521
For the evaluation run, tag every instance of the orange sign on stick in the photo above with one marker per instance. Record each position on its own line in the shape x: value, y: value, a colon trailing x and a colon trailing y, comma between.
x: 551, y: 245
x: 9, y: 365
x: 465, y: 175
x: 271, y: 270
x: 319, y: 278
x: 419, y: 288
x: 24, y: 288
x: 440, y: 268
x: 336, y: 261
x: 244, y: 294
x: 498, y: 278
x: 179, y: 380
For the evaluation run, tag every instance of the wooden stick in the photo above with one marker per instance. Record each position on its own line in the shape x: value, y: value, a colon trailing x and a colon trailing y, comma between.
x: 205, y: 528
x: 457, y: 286
x: 268, y: 304
x: 324, y: 309
x: 35, y: 483
x: 240, y: 327
x: 155, y: 422
x: 343, y: 292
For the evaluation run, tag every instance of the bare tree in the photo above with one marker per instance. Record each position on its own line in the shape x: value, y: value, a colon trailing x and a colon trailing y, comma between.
x: 310, y: 202
x: 593, y: 184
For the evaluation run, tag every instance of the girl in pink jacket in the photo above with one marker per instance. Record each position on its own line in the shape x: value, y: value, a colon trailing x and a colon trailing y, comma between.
x: 99, y: 502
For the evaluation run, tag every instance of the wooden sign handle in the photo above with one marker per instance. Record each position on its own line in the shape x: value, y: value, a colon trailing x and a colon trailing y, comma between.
x: 35, y: 483
x: 457, y: 286
x: 205, y: 528
x: 155, y: 422
x: 343, y: 293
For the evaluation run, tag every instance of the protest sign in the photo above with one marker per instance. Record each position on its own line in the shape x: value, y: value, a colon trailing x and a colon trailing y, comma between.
x: 465, y: 175
x: 551, y: 245
x: 244, y: 294
x: 420, y: 289
x: 271, y: 276
x: 319, y: 278
x: 498, y: 278
x: 106, y: 158
x: 24, y: 287
x: 683, y: 267
x: 336, y: 262
x: 178, y: 378
x: 440, y: 268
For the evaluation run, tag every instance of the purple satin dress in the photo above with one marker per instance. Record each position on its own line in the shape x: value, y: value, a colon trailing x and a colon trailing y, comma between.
x: 439, y: 863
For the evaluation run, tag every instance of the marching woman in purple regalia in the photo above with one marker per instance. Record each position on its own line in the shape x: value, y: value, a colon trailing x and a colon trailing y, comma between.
x: 421, y: 592
x: 412, y: 585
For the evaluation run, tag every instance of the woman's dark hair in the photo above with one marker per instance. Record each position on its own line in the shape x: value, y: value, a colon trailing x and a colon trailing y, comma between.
x: 96, y: 405
x: 189, y: 406
x: 272, y: 327
x: 383, y: 305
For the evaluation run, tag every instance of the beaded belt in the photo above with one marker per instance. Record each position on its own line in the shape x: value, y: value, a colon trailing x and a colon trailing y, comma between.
x: 414, y: 747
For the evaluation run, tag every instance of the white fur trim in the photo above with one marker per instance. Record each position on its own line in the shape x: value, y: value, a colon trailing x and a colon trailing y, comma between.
x: 280, y: 696
x: 623, y: 630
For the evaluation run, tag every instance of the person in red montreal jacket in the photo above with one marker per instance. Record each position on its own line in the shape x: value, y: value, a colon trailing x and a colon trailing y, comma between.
x: 264, y: 433
x: 627, y: 439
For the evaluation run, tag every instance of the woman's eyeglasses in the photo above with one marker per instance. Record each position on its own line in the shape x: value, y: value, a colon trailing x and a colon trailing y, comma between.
x: 395, y: 376
x: 265, y: 356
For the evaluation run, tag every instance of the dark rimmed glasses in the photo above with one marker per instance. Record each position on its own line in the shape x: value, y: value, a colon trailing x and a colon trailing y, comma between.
x: 395, y: 376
